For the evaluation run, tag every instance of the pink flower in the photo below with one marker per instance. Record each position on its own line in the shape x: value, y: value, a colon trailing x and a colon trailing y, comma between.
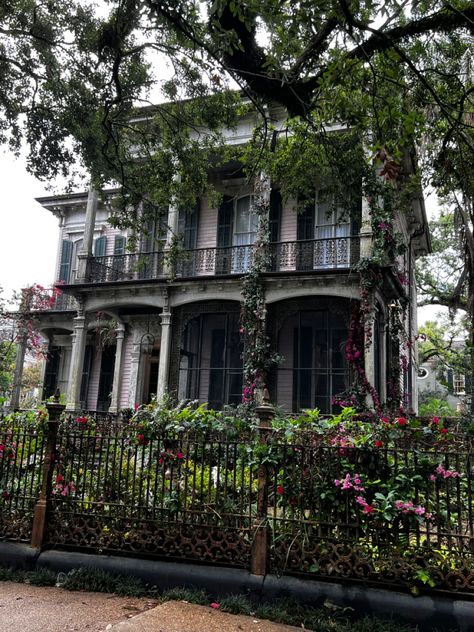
x: 435, y: 420
x: 420, y: 511
x: 444, y: 430
x: 401, y: 421
x: 179, y: 455
x: 280, y: 490
x: 215, y: 605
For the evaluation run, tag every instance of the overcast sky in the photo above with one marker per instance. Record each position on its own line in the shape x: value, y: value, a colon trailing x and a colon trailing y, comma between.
x: 29, y: 233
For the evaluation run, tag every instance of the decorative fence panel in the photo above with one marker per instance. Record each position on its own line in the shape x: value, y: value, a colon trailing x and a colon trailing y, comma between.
x: 402, y: 516
x: 390, y: 506
x: 181, y: 497
x: 22, y: 452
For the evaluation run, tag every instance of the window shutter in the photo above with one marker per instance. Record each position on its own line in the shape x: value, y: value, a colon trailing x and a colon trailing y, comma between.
x: 119, y: 245
x: 450, y: 380
x: 99, y: 246
x: 275, y: 215
x: 305, y: 220
x: 191, y: 227
x: 66, y: 257
x: 225, y: 220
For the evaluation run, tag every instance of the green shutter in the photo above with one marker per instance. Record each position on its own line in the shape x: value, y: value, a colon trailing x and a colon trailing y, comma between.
x: 119, y: 245
x: 66, y: 257
x: 450, y: 380
x: 100, y: 245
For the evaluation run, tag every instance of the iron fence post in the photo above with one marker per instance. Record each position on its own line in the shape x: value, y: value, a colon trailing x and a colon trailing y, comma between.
x: 41, y: 508
x: 259, y: 554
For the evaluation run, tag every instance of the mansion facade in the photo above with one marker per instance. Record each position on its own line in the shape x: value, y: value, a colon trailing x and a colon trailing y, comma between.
x: 126, y: 328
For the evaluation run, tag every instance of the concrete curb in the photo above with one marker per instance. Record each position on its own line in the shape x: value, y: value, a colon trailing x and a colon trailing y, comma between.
x: 428, y: 612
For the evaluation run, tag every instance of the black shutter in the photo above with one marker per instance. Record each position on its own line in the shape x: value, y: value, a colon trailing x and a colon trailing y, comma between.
x: 190, y: 227
x: 275, y: 215
x: 66, y: 257
x: 305, y: 220
x: 225, y: 220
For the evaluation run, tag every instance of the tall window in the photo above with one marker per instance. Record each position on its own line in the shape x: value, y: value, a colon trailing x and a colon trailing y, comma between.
x: 324, y: 226
x: 314, y: 369
x: 211, y: 360
x: 237, y: 227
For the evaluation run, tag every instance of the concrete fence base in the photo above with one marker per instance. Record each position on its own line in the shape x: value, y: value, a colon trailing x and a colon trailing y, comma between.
x: 428, y: 612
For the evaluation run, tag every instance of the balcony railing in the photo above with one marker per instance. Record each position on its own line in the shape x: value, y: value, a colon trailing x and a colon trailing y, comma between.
x: 130, y: 267
x: 286, y: 256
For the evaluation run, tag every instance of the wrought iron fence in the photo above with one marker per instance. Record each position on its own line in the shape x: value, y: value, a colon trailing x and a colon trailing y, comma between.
x: 22, y: 452
x: 398, y: 515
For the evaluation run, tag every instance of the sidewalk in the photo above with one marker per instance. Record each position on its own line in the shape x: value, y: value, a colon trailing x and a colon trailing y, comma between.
x: 26, y: 608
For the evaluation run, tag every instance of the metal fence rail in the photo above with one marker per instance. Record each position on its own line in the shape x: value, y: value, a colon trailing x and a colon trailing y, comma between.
x: 398, y: 515
x: 180, y: 497
x: 22, y: 454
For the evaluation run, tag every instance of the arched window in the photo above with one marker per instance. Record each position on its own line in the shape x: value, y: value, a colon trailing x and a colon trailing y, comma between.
x: 211, y: 367
x: 314, y: 368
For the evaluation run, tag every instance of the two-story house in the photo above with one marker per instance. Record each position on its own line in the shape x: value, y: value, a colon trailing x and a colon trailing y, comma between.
x: 180, y: 333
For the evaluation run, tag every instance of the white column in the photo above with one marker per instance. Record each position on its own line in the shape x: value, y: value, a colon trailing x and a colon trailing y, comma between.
x: 171, y: 234
x: 77, y: 361
x: 88, y: 239
x: 165, y: 348
x: 120, y: 333
x: 134, y: 395
x: 365, y: 231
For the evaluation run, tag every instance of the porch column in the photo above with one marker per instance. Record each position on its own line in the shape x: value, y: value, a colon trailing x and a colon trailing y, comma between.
x: 120, y: 334
x: 171, y: 234
x: 18, y: 373
x: 165, y: 347
x: 134, y: 395
x: 79, y: 337
x: 88, y: 239
x: 365, y: 231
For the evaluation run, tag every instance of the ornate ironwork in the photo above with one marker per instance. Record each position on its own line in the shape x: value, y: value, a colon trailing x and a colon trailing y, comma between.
x: 129, y: 267
x: 314, y: 254
x: 288, y: 256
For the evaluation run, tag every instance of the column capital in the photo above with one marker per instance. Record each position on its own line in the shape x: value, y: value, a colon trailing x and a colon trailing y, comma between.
x: 165, y: 319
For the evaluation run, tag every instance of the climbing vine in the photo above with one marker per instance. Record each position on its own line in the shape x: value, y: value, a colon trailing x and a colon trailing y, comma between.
x: 258, y: 355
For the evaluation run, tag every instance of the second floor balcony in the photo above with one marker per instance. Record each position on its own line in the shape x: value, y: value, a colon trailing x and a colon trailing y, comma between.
x: 304, y: 256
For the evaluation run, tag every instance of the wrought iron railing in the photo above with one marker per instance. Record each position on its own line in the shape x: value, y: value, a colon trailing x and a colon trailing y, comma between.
x: 314, y: 254
x: 130, y: 267
x: 64, y: 302
x: 286, y: 256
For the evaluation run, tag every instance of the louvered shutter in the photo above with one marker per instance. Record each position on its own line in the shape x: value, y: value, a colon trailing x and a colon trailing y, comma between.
x: 119, y: 245
x: 66, y: 258
x: 305, y: 220
x: 100, y: 245
x: 225, y: 220
x: 275, y: 215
